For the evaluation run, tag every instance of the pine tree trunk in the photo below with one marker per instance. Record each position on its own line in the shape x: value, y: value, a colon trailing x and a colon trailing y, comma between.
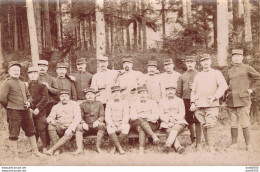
x: 15, y: 32
x: 259, y: 29
x: 90, y: 32
x: 100, y: 29
x: 240, y: 8
x: 47, y: 25
x: 189, y: 13
x: 163, y: 21
x: 247, y: 21
x: 112, y: 33
x: 65, y: 17
x: 128, y: 43
x: 58, y: 22
x: 1, y: 54
x: 235, y: 15
x: 215, y: 30
x: 222, y: 31
x: 134, y: 25
x: 33, y: 35
x: 144, y: 26
x: 37, y: 12
x: 184, y: 11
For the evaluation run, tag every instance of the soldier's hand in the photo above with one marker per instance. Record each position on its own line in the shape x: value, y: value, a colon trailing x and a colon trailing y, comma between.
x: 72, y: 78
x: 36, y: 111
x: 85, y: 126
x: 212, y: 99
x: 68, y: 132
x: 250, y: 91
x: 95, y: 124
x: 192, y: 107
x: 110, y: 125
x: 27, y: 104
x: 45, y: 83
x: 172, y: 120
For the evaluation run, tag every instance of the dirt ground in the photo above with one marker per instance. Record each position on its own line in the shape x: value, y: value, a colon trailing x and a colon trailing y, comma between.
x: 154, y: 154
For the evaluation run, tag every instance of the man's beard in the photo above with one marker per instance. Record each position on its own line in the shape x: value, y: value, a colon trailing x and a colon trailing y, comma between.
x: 126, y: 68
x: 64, y: 102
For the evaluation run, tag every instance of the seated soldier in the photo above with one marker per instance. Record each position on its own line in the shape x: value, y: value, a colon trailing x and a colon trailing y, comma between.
x: 172, y: 115
x: 144, y: 114
x: 92, y: 122
x: 117, y: 118
x: 63, y: 120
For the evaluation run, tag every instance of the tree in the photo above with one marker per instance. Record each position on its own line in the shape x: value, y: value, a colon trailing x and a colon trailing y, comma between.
x: 100, y: 29
x: 143, y: 10
x: 247, y: 21
x: 222, y: 32
x: 47, y: 25
x: 32, y: 31
x: 37, y: 14
x: 184, y: 11
x: 1, y: 54
x: 58, y: 22
x: 15, y: 32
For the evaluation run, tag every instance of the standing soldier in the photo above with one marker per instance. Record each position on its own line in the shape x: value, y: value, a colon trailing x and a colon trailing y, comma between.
x: 39, y: 93
x: 63, y: 120
x: 129, y: 80
x: 172, y: 115
x: 183, y: 91
x: 169, y: 76
x: 51, y: 84
x: 117, y: 118
x: 92, y: 122
x: 145, y: 114
x: 240, y: 76
x: 103, y: 81
x: 152, y: 82
x: 15, y: 98
x: 209, y: 85
x: 82, y: 79
x: 64, y: 82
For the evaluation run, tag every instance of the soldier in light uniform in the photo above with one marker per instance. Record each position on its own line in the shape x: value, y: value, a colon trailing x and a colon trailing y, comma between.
x: 50, y: 83
x: 117, y: 119
x: 103, y: 81
x: 172, y: 115
x: 63, y: 120
x: 152, y: 81
x: 15, y: 98
x: 169, y: 76
x: 92, y: 122
x: 183, y: 91
x: 145, y: 114
x: 243, y: 80
x: 82, y: 79
x: 64, y: 82
x: 209, y: 85
x: 129, y: 80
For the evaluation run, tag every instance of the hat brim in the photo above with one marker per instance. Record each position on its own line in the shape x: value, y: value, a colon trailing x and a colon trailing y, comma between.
x: 89, y: 91
x: 204, y: 58
x: 64, y: 93
x: 237, y: 53
x: 142, y: 90
x: 189, y: 60
x: 15, y: 64
x: 43, y: 64
x: 127, y: 61
x: 170, y: 87
x: 33, y: 71
x: 152, y: 65
x: 116, y: 90
x: 168, y: 63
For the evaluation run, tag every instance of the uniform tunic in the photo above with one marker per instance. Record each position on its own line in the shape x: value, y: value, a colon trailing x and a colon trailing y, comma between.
x: 146, y: 110
x: 67, y: 116
x: 65, y: 83
x: 166, y: 78
x: 239, y: 79
x: 103, y: 81
x: 154, y: 87
x: 172, y: 111
x: 83, y: 80
x: 53, y: 89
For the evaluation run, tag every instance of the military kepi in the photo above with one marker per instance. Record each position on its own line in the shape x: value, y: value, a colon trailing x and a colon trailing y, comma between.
x: 14, y: 63
x: 190, y: 59
x: 237, y: 51
x: 115, y: 88
x: 81, y: 61
x: 64, y: 91
x: 205, y: 56
x: 141, y: 88
x: 128, y: 59
x: 168, y: 61
x: 152, y: 63
x: 32, y: 69
x: 86, y: 90
x: 62, y: 65
x: 43, y: 62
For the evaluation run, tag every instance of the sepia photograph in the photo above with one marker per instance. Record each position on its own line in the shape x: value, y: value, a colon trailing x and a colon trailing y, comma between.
x: 129, y: 83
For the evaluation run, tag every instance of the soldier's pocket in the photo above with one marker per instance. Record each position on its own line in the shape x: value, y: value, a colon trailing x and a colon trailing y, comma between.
x: 244, y: 93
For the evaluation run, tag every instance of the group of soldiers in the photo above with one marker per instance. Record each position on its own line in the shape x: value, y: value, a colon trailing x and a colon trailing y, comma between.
x: 115, y: 102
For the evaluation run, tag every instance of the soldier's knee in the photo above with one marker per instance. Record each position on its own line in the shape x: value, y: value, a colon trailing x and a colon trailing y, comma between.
x: 110, y: 130
x: 51, y: 127
x: 79, y: 127
x: 101, y: 126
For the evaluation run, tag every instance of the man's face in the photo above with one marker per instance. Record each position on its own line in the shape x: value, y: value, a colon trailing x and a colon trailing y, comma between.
x: 42, y: 69
x: 90, y: 96
x: 190, y: 65
x: 169, y: 67
x: 116, y: 94
x: 14, y: 71
x: 127, y: 66
x: 33, y: 76
x: 151, y: 70
x: 64, y: 98
x: 102, y: 64
x: 170, y: 92
x: 143, y: 95
x: 237, y: 58
x: 61, y: 72
x: 81, y: 67
x: 206, y: 63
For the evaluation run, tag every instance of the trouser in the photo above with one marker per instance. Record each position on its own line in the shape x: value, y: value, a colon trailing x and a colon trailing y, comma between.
x: 41, y: 127
x: 19, y: 119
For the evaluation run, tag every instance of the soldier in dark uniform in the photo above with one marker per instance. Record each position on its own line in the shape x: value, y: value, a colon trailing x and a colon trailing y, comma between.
x: 50, y: 83
x: 82, y: 79
x: 16, y: 99
x: 39, y: 93
x: 240, y: 76
x: 184, y: 91
x: 64, y: 82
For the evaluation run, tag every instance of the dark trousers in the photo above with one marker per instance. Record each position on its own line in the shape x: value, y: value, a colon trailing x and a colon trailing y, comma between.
x: 40, y: 124
x: 189, y: 115
x: 20, y: 119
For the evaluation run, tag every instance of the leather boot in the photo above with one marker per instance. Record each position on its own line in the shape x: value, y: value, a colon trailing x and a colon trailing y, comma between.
x: 192, y: 133
x: 179, y: 149
x: 205, y: 135
x: 100, y: 135
x: 32, y: 141
x: 142, y: 136
x: 79, y: 142
x: 14, y: 149
x: 122, y: 137
x: 54, y: 138
x: 146, y: 127
x: 115, y: 140
x: 60, y: 143
x: 171, y: 138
